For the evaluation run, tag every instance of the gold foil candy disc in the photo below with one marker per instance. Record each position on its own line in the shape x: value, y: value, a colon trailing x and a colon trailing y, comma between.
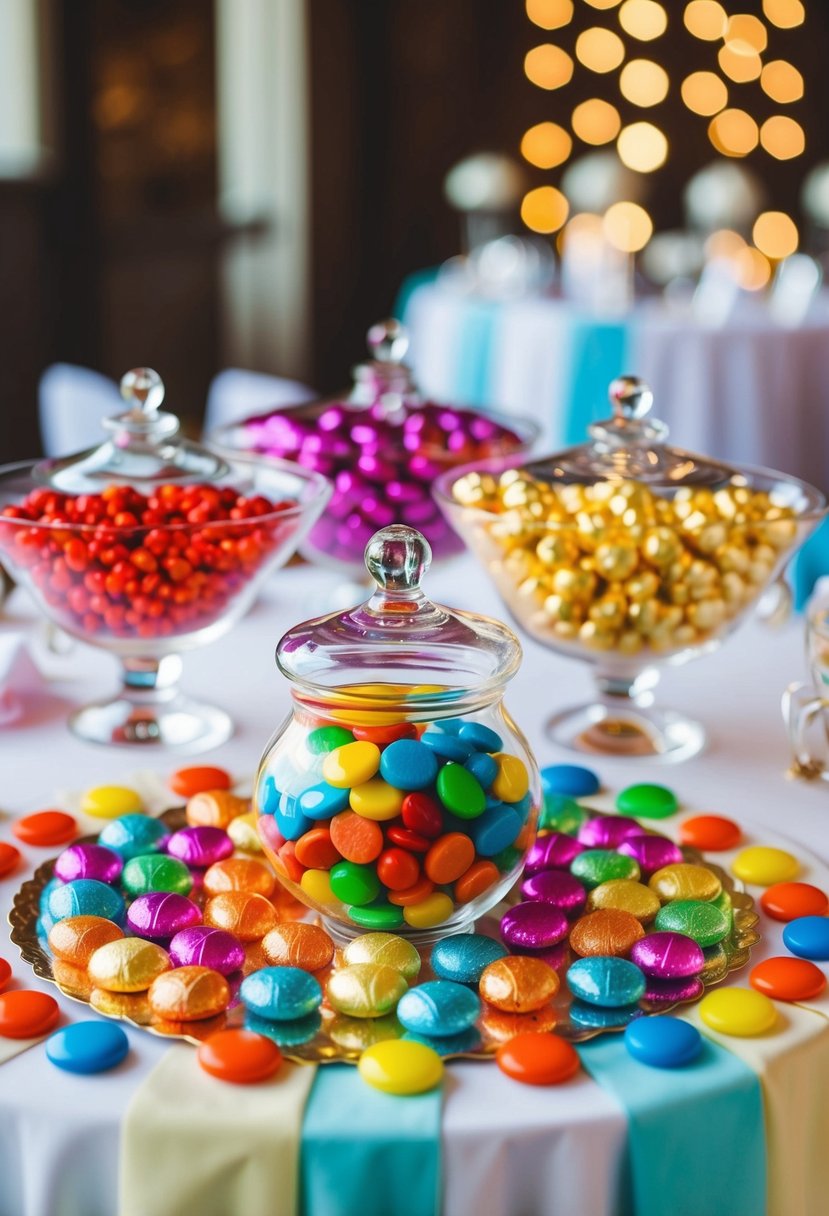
x: 625, y: 895
x: 127, y: 965
x: 608, y: 931
x: 685, y: 881
x: 365, y: 990
x: 188, y: 994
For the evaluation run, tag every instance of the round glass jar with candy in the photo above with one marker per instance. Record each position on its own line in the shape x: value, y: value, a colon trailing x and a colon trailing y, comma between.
x: 630, y: 554
x: 399, y: 794
x: 382, y: 447
x: 146, y: 546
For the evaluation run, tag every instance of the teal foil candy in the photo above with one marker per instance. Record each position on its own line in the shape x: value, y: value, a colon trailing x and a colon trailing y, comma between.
x: 365, y: 1153
x: 696, y: 1136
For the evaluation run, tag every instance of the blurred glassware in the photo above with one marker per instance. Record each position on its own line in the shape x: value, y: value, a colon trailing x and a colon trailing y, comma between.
x: 597, y: 180
x: 723, y: 195
x: 806, y: 705
x: 486, y: 189
x: 508, y: 268
x: 795, y: 287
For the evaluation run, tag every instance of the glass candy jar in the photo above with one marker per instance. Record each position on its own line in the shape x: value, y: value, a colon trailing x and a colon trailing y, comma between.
x: 399, y: 794
x: 630, y: 554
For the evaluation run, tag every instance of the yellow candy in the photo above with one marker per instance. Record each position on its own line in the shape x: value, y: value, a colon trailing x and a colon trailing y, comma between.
x: 738, y: 1011
x: 625, y: 895
x: 385, y: 948
x: 685, y: 881
x: 317, y: 886
x: 763, y: 866
x: 401, y: 1067
x: 433, y: 910
x: 512, y: 781
x: 242, y: 831
x: 110, y: 801
x: 365, y: 990
x: 127, y: 965
x: 352, y: 764
x: 376, y: 799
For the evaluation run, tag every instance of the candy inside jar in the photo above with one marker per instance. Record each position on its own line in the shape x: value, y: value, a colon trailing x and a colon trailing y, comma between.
x: 399, y: 795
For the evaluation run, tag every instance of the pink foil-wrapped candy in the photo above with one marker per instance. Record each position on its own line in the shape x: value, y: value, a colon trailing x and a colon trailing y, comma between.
x: 204, y: 946
x: 89, y: 861
x: 159, y: 915
x: 200, y: 846
x: 553, y: 852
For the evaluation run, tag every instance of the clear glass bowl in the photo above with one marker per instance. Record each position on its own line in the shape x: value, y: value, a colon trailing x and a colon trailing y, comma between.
x: 629, y: 555
x: 352, y: 831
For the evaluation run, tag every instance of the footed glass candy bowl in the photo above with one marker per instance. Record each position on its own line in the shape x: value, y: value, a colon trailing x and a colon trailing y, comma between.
x: 399, y: 794
x: 147, y: 546
x: 629, y: 554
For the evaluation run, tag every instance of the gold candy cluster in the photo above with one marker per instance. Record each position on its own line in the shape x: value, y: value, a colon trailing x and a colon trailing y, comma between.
x: 616, y: 567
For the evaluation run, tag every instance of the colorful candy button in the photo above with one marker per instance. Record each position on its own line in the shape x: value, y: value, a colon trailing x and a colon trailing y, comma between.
x: 352, y: 764
x: 595, y: 1017
x: 483, y: 768
x: 608, y: 831
x: 316, y: 885
x: 45, y: 828
x: 495, y: 830
x: 75, y: 939
x: 438, y: 1008
x: 397, y: 869
x: 607, y: 931
x: 5, y: 973
x: 533, y: 926
x: 204, y: 946
x: 449, y: 857
x: 159, y: 915
x: 762, y: 866
x: 296, y: 944
x: 422, y: 814
x: 685, y: 881
x: 127, y: 965
x: 460, y: 793
x: 480, y: 876
x: 381, y: 735
x: 248, y: 917
x: 110, y: 801
x: 200, y: 846
x: 607, y: 982
x: 788, y: 979
x: 199, y: 779
x: 189, y: 994
x: 365, y: 990
x: 322, y: 801
x: 85, y: 897
x: 663, y: 1042
x: 562, y: 814
x: 356, y: 838
x: 788, y: 900
x: 738, y: 1011
x: 647, y: 801
x: 447, y: 746
x: 280, y: 994
x: 156, y: 872
x: 668, y: 956
x: 408, y: 764
x: 89, y: 861
x: 326, y: 739
x: 88, y: 1047
x: 703, y: 922
x: 462, y: 957
x: 595, y: 866
x: 808, y: 937
x: 538, y: 1059
x: 9, y: 857
x: 518, y: 984
x: 134, y: 835
x: 26, y: 1014
x: 433, y: 910
x: 421, y: 890
x: 239, y: 874
x: 570, y: 780
x: 382, y: 916
x: 241, y: 1057
x: 482, y: 737
x: 651, y: 852
x: 513, y: 781
x: 376, y: 799
x: 401, y: 1067
x: 316, y: 850
x: 385, y: 948
x: 354, y: 884
x: 710, y: 833
x: 555, y: 887
x: 625, y: 896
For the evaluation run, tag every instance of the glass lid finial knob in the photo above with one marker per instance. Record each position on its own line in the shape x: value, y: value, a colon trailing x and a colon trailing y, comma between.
x: 397, y: 557
x: 143, y: 390
x: 388, y: 341
x: 631, y: 398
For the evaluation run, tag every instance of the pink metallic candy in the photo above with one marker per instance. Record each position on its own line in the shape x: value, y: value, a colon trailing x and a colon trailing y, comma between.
x: 89, y: 861
x: 161, y: 914
x: 552, y: 852
x: 608, y: 831
x: 534, y: 925
x: 200, y: 846
x: 671, y: 991
x: 555, y: 887
x: 204, y: 946
x: 667, y: 956
x: 652, y: 852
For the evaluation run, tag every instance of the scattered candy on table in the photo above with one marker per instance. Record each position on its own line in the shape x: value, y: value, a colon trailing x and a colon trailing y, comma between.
x: 808, y: 937
x: 737, y: 1011
x: 788, y: 979
x: 242, y: 1057
x: 199, y: 779
x: 518, y: 984
x: 88, y: 1047
x: 570, y: 780
x: 710, y: 833
x: 45, y: 828
x: 9, y: 858
x: 538, y: 1059
x: 188, y: 994
x: 25, y: 1014
x: 663, y: 1042
x: 647, y: 801
x: 401, y: 1067
x: 5, y: 973
x: 788, y: 900
x: 111, y: 801
x: 763, y: 866
x: 462, y: 957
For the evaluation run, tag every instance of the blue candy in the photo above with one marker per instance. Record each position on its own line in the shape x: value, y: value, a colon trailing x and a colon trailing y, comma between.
x: 607, y: 982
x: 482, y: 738
x: 321, y: 801
x: 523, y: 808
x: 87, y: 1047
x: 462, y: 957
x: 280, y: 994
x: 290, y: 819
x: 494, y: 830
x: 570, y: 779
x: 85, y: 897
x: 408, y: 765
x: 452, y: 726
x: 268, y: 797
x: 286, y: 1034
x: 448, y: 747
x: 483, y: 768
x: 593, y: 1018
x: 808, y: 937
x: 438, y: 1008
x: 134, y: 835
x: 663, y: 1042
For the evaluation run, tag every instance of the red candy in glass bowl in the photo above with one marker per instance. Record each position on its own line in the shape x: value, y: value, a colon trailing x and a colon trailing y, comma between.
x: 146, y: 546
x: 382, y: 447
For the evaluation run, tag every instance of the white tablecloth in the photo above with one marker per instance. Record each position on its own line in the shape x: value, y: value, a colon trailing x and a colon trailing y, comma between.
x: 509, y: 1150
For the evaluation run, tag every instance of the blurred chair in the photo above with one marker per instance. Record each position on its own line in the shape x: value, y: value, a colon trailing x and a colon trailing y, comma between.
x: 235, y: 394
x: 71, y: 403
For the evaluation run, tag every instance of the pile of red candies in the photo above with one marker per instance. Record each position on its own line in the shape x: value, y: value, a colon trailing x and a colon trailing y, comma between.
x: 127, y: 564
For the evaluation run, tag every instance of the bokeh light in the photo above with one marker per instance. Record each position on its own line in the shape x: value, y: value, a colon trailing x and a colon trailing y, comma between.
x: 724, y: 244
x: 550, y: 14
x: 643, y: 19
x: 602, y: 3
x: 642, y: 146
x: 775, y: 234
x: 627, y: 227
x: 746, y: 33
x: 781, y: 81
x: 546, y: 145
x: 739, y: 66
x: 544, y: 209
x: 644, y: 83
x: 596, y: 121
x: 548, y: 66
x: 705, y: 19
x: 733, y: 133
x: 785, y: 14
x: 704, y: 93
x: 752, y: 268
x: 599, y: 50
x: 782, y: 137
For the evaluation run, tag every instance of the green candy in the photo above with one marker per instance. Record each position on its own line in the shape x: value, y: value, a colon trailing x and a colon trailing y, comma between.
x: 460, y: 792
x: 507, y: 858
x: 353, y: 883
x: 595, y: 866
x: 155, y: 872
x: 723, y: 902
x: 704, y: 922
x: 562, y: 814
x: 377, y: 916
x: 647, y: 801
x: 325, y: 738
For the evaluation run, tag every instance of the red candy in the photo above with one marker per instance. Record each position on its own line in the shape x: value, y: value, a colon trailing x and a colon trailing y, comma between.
x: 422, y: 814
x: 408, y: 840
x: 5, y: 973
x: 381, y: 735
x: 788, y: 900
x: 397, y: 869
x: 45, y: 828
x: 710, y: 833
x: 9, y: 857
x: 200, y: 779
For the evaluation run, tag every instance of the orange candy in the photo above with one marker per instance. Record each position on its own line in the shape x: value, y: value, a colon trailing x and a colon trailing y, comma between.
x: 295, y: 944
x: 215, y: 809
x: 478, y: 878
x: 25, y: 1014
x: 449, y: 857
x: 356, y: 839
x: 538, y: 1059
x: 188, y: 994
x: 381, y: 735
x: 518, y: 984
x: 9, y: 857
x: 287, y: 862
x: 788, y: 979
x: 710, y: 833
x: 412, y: 895
x: 397, y: 869
x: 316, y: 850
x: 76, y: 938
x: 788, y: 900
x: 239, y: 1056
x: 5, y: 973
x: 239, y: 874
x: 608, y: 931
x: 200, y: 779
x: 248, y: 916
x: 45, y: 828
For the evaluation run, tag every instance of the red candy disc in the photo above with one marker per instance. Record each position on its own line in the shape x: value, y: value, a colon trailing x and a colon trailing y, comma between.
x: 381, y: 735
x: 9, y: 857
x: 45, y: 828
x: 788, y: 900
x: 406, y: 839
x: 25, y: 1014
x: 200, y: 779
x: 316, y: 851
x: 5, y: 973
x: 538, y: 1059
x: 422, y: 814
x: 788, y: 979
x: 239, y: 1056
x: 710, y: 833
x: 397, y: 869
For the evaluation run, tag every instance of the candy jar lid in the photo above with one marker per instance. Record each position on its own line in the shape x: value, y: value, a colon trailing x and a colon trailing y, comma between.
x: 399, y: 643
x: 385, y: 377
x: 143, y: 450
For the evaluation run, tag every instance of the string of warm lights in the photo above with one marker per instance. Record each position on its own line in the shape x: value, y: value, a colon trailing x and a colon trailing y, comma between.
x: 742, y: 59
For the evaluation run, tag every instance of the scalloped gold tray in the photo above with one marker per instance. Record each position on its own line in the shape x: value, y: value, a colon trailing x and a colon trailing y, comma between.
x: 327, y: 1036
